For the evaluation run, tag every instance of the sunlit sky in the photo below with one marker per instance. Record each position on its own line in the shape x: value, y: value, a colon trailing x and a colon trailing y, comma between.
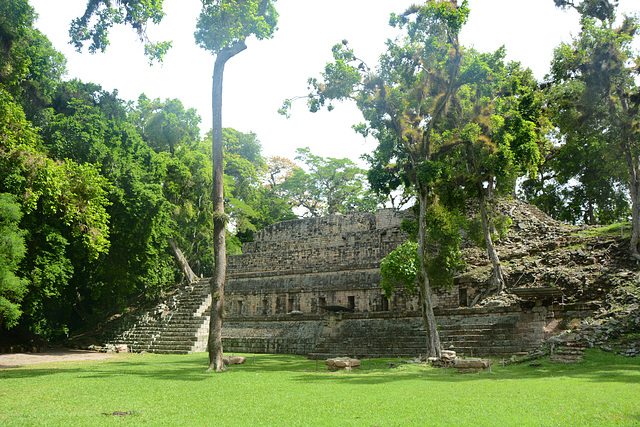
x: 269, y: 71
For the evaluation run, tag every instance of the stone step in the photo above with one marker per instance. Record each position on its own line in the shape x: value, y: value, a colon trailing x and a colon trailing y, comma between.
x: 160, y: 351
x: 170, y: 348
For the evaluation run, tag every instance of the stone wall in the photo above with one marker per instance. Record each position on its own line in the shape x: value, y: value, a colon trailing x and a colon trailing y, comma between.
x: 303, y: 265
x: 497, y: 331
x: 277, y: 288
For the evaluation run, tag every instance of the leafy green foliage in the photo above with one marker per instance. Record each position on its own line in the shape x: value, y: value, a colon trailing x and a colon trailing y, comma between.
x: 330, y: 186
x: 400, y: 268
x: 31, y: 66
x: 592, y: 99
x: 166, y: 126
x: 224, y: 23
x: 101, y: 15
x: 592, y: 96
x: 102, y: 185
x: 64, y: 206
x: 443, y: 245
x: 12, y: 250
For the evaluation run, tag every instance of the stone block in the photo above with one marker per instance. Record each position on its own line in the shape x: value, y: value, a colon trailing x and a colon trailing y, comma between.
x: 472, y: 363
x: 342, y: 363
x: 233, y: 360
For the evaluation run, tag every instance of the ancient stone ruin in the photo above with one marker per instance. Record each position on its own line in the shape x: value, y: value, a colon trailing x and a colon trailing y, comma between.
x: 312, y: 287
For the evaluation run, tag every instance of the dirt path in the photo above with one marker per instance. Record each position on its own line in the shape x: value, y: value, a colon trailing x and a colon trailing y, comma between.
x: 12, y: 360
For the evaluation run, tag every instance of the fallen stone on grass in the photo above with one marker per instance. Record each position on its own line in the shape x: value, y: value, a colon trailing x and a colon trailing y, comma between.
x: 471, y: 364
x: 234, y: 360
x: 447, y: 358
x: 344, y: 363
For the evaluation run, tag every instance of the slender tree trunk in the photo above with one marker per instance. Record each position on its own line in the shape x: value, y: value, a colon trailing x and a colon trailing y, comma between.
x: 624, y: 122
x: 433, y: 338
x: 184, y: 264
x: 219, y: 219
x: 634, y: 195
x: 498, y: 273
x: 634, y: 192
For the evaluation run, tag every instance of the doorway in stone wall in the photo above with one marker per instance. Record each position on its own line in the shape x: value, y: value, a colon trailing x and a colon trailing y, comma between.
x: 463, y: 299
x: 385, y: 303
x: 351, y: 302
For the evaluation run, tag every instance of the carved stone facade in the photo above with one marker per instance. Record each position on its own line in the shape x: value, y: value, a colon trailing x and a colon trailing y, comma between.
x: 303, y: 265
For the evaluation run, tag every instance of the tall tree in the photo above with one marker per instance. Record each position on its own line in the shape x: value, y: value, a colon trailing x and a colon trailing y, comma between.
x: 29, y: 66
x: 222, y: 29
x: 405, y: 103
x: 595, y: 92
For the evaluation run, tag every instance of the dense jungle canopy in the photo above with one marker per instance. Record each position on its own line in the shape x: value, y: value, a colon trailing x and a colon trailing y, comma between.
x: 97, y: 192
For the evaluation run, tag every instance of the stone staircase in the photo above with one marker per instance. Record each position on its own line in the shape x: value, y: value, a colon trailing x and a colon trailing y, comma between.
x: 570, y: 352
x: 477, y: 339
x: 406, y: 337
x: 180, y: 325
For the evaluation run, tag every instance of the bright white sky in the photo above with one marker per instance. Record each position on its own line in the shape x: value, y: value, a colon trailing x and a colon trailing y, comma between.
x: 260, y: 78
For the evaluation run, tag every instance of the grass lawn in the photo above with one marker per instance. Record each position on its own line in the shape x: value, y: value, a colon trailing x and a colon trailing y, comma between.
x: 283, y: 390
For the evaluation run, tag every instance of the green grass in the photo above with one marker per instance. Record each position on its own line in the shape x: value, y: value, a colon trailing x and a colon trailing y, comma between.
x: 282, y: 390
x: 612, y: 230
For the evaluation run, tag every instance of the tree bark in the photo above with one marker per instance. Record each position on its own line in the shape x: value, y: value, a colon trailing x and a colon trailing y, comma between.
x: 184, y: 264
x: 433, y: 338
x: 219, y: 219
x: 634, y: 190
x: 634, y: 195
x: 498, y: 273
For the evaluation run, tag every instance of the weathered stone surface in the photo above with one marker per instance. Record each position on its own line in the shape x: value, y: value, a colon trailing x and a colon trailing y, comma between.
x: 342, y: 363
x: 233, y: 360
x: 472, y: 363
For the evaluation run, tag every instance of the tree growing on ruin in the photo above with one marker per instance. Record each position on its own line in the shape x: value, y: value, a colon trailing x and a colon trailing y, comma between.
x: 405, y: 104
x: 400, y: 269
x: 497, y: 137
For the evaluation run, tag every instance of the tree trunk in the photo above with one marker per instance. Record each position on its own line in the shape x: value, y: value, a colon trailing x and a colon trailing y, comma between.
x: 633, y: 163
x: 184, y: 264
x: 498, y: 274
x: 634, y: 192
x: 634, y: 195
x: 433, y: 338
x: 219, y: 219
